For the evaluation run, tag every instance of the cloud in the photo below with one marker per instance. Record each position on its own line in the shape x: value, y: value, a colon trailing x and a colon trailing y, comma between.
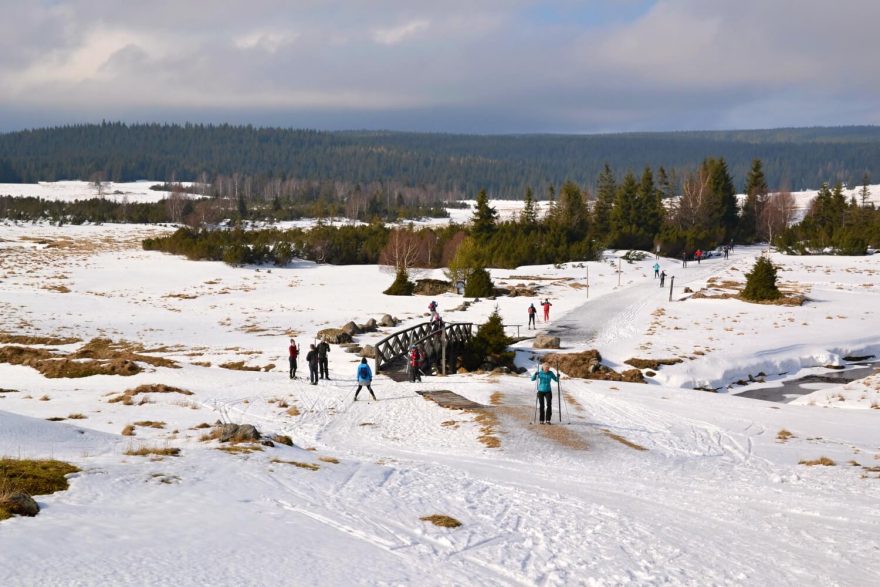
x: 397, y: 35
x: 478, y: 65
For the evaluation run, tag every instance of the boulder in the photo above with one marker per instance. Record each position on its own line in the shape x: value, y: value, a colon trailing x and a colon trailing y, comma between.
x: 20, y: 504
x: 238, y: 433
x: 334, y: 335
x: 353, y: 348
x: 432, y: 287
x: 369, y: 351
x: 387, y: 320
x: 351, y: 328
x: 370, y: 325
x: 543, y: 341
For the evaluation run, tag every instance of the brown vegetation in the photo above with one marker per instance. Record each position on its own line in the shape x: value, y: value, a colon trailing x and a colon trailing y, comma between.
x: 783, y: 435
x: 441, y: 520
x: 623, y: 440
x: 824, y: 461
x: 307, y: 466
x: 238, y: 366
x: 126, y: 397
x: 30, y: 477
x: 651, y: 363
x: 144, y: 450
x: 25, y: 339
x: 588, y: 365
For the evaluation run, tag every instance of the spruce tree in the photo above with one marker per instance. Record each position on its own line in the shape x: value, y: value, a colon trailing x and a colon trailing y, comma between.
x: 865, y: 192
x: 761, y: 282
x: 483, y: 223
x: 650, y: 204
x: 529, y: 214
x: 723, y: 213
x: 625, y: 214
x: 606, y: 191
x: 401, y: 286
x: 479, y: 284
x: 756, y: 196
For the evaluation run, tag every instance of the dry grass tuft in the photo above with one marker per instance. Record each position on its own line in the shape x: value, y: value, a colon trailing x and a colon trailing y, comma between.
x: 496, y: 398
x: 127, y: 396
x: 238, y: 366
x: 150, y: 424
x: 128, y: 430
x: 824, y: 461
x: 488, y: 422
x: 76, y: 416
x: 241, y: 448
x: 331, y: 460
x: 307, y: 466
x: 784, y: 435
x: 144, y: 450
x: 623, y: 440
x: 651, y: 363
x: 441, y: 520
x: 293, y: 411
x: 6, y: 338
x: 283, y: 439
x: 201, y: 426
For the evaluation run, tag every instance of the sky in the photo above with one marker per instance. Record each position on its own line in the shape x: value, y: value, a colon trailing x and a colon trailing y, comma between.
x: 477, y: 66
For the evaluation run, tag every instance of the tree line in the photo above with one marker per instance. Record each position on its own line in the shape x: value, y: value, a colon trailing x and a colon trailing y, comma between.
x: 275, y: 162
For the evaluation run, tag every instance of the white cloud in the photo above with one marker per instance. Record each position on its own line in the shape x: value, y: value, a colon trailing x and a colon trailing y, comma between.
x: 396, y: 35
x: 269, y: 41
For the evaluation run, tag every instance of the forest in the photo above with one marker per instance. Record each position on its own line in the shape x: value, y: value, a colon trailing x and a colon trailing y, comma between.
x: 276, y: 162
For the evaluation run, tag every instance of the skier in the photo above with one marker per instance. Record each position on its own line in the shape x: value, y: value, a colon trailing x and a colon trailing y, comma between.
x: 432, y: 307
x: 698, y: 255
x: 323, y: 349
x: 546, y: 305
x: 726, y: 251
x: 312, y: 360
x: 293, y: 353
x: 684, y: 259
x: 364, y: 377
x: 662, y: 278
x: 415, y: 363
x: 545, y: 391
x: 656, y: 270
x: 532, y: 312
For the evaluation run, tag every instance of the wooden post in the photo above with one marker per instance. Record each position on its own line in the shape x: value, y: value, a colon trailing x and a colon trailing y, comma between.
x: 443, y: 348
x: 671, y: 281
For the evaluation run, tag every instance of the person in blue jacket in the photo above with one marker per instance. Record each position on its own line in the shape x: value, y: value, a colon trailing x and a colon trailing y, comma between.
x: 545, y: 391
x: 365, y: 377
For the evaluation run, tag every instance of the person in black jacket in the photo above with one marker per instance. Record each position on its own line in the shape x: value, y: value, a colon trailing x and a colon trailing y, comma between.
x: 312, y: 360
x: 323, y: 349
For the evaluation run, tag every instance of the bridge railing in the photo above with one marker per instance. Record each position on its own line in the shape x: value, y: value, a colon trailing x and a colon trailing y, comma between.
x: 426, y: 334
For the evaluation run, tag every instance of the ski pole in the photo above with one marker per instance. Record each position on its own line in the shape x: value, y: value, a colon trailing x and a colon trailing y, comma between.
x: 559, y: 391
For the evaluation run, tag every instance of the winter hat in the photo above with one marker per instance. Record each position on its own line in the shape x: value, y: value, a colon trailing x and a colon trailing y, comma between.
x: 364, y: 361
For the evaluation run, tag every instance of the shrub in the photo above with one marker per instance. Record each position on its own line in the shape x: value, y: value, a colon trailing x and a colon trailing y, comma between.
x: 489, y: 344
x: 401, y: 286
x: 761, y: 282
x: 479, y: 284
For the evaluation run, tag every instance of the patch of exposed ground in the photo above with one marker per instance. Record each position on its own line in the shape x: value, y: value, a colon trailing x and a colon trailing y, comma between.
x: 588, y: 365
x: 623, y: 440
x: 127, y: 396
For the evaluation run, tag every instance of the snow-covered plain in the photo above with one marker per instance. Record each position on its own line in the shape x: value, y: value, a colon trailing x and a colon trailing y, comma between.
x: 69, y: 191
x: 654, y: 484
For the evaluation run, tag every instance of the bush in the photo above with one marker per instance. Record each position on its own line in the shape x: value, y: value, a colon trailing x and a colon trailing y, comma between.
x: 761, y: 282
x: 402, y: 286
x: 479, y: 284
x: 488, y: 345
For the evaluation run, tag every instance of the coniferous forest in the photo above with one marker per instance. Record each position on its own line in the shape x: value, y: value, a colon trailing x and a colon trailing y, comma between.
x: 446, y: 165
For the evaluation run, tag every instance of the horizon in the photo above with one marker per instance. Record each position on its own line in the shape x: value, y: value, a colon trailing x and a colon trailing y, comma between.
x: 493, y: 67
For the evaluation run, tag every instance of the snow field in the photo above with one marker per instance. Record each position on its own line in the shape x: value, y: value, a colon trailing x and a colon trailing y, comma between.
x: 715, y: 497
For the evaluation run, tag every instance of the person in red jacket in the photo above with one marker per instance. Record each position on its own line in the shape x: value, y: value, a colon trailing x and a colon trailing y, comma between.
x: 293, y: 353
x: 546, y: 305
x: 698, y: 255
x: 415, y: 364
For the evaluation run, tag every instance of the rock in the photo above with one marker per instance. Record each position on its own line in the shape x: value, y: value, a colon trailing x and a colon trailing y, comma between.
x: 688, y: 290
x: 432, y: 287
x: 268, y: 443
x: 369, y: 351
x: 387, y: 320
x: 238, y: 433
x: 633, y: 376
x: 650, y: 373
x: 334, y: 335
x: 351, y: 328
x: 20, y: 504
x: 353, y: 348
x: 283, y: 439
x: 370, y: 325
x: 542, y: 341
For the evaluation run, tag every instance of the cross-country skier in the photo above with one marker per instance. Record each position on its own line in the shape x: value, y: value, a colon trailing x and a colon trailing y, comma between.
x: 656, y: 270
x: 364, y: 377
x: 545, y: 391
x: 293, y: 353
x: 532, y: 313
x: 546, y: 305
x: 312, y: 360
x: 323, y: 349
x: 662, y: 278
x: 415, y: 364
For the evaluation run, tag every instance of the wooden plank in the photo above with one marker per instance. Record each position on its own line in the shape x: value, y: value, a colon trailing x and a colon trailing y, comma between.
x: 449, y: 399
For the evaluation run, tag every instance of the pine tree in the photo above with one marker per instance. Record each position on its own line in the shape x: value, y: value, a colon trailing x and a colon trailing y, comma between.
x: 723, y: 213
x: 625, y: 214
x: 650, y: 204
x: 479, y: 284
x: 756, y: 196
x: 529, y: 214
x: 761, y: 282
x: 572, y: 211
x: 606, y: 191
x: 865, y: 192
x: 401, y: 286
x: 484, y: 218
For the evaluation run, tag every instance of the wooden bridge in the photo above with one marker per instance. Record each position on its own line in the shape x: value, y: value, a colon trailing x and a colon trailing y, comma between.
x: 437, y: 344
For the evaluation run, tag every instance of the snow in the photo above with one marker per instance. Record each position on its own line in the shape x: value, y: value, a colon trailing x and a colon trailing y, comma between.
x: 861, y: 394
x: 69, y: 191
x: 715, y: 499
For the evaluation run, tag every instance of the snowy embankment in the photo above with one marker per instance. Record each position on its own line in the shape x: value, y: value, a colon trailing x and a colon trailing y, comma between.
x: 646, y: 485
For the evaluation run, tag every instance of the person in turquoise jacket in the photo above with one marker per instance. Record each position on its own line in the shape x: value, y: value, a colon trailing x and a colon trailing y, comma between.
x: 656, y: 270
x: 545, y: 391
x: 364, y: 377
